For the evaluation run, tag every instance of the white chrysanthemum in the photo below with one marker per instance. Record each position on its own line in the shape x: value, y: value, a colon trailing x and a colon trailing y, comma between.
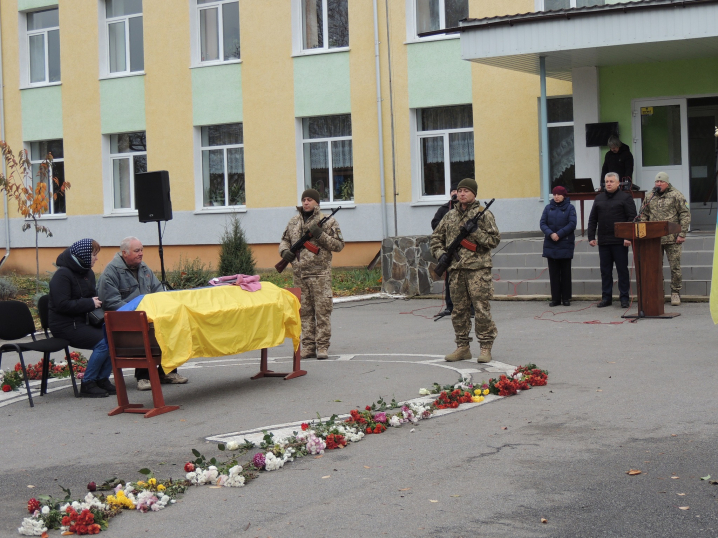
x: 32, y: 527
x: 395, y: 421
x: 424, y: 392
x: 272, y: 462
x: 232, y: 445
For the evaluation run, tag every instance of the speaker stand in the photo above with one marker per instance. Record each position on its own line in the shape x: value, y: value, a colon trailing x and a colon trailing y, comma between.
x: 165, y: 285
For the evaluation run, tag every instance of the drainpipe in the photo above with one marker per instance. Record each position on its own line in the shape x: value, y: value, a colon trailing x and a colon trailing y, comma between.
x: 4, y: 168
x: 391, y: 115
x: 384, y: 231
x: 544, y: 133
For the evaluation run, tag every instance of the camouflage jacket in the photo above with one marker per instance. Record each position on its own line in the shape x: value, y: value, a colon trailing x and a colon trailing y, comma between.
x: 670, y: 205
x: 486, y: 237
x: 308, y: 263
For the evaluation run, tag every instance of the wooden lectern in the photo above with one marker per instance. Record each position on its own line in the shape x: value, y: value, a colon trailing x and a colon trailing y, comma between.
x: 646, y: 238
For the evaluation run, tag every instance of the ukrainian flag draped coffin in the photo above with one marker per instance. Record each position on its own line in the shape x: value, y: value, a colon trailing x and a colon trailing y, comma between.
x: 219, y: 321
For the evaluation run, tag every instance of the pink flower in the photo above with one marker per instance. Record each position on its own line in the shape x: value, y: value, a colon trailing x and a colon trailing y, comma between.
x: 380, y: 416
x: 258, y: 460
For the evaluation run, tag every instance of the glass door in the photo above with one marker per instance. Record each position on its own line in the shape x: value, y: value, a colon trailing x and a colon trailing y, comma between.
x: 703, y: 151
x: 660, y: 130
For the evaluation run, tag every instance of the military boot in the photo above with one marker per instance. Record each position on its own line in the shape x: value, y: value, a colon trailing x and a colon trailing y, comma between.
x: 485, y: 355
x: 308, y: 353
x: 322, y: 354
x: 460, y: 354
x: 675, y: 299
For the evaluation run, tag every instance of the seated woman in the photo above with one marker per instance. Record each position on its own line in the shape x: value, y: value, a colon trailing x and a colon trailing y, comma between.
x: 72, y: 297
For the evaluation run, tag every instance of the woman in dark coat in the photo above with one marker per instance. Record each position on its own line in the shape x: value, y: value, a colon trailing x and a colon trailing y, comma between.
x: 72, y: 297
x: 558, y: 223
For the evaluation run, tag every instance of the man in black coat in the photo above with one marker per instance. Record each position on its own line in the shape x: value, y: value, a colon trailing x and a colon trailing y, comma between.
x: 610, y: 207
x: 619, y: 160
x: 443, y: 210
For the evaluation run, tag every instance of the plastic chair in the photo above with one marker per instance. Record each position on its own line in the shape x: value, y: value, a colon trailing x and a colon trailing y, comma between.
x: 15, y: 323
x: 120, y: 325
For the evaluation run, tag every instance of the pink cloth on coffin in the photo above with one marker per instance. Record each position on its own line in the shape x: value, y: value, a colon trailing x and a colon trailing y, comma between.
x: 246, y: 282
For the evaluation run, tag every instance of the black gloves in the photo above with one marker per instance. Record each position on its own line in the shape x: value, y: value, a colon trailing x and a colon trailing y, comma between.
x: 471, y: 226
x: 316, y: 231
x: 289, y: 256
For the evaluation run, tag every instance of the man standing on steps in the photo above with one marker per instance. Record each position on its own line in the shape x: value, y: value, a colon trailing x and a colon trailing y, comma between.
x: 610, y: 207
x: 669, y: 204
x: 471, y: 281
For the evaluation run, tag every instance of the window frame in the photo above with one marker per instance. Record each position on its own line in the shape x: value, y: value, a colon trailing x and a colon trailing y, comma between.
x: 104, y: 42
x: 554, y: 125
x: 301, y: 183
x: 540, y: 5
x: 111, y: 157
x: 24, y: 50
x: 200, y: 191
x: 196, y: 30
x: 298, y: 32
x: 416, y: 159
x: 29, y: 182
x: 411, y: 24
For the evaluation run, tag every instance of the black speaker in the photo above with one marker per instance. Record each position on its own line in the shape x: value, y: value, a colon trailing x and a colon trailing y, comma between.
x: 152, y: 196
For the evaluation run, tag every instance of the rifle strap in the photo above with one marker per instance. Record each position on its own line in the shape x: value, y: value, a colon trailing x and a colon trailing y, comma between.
x: 469, y: 245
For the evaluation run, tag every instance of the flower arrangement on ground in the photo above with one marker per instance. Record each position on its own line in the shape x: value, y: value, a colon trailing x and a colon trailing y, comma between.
x: 85, y: 516
x: 14, y: 379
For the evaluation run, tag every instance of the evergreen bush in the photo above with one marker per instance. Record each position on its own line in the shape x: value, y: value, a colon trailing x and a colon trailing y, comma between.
x: 235, y: 256
x: 8, y: 289
x: 190, y: 274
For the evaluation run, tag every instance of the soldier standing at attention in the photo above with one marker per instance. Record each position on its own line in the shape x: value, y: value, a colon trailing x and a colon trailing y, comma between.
x: 313, y: 272
x: 470, y: 279
x: 669, y: 204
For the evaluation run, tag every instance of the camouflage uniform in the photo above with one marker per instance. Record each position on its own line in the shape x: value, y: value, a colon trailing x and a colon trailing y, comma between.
x: 670, y: 205
x: 313, y: 274
x: 470, y: 278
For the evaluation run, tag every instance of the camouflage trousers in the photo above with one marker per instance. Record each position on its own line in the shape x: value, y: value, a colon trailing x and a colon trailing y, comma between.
x: 316, y: 311
x: 475, y: 287
x: 673, y: 253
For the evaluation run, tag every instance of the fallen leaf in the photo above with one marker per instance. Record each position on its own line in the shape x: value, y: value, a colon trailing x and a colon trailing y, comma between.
x: 504, y: 427
x: 319, y: 456
x: 544, y: 520
x: 433, y: 501
x: 684, y: 507
x: 44, y: 534
x: 215, y: 487
x: 68, y: 533
x: 674, y: 435
x: 714, y: 482
x: 675, y: 477
x: 681, y: 494
x: 599, y: 390
x: 328, y: 476
x: 182, y: 420
x: 248, y: 524
x: 367, y: 467
x: 337, y: 401
x: 404, y: 489
x: 633, y: 472
x: 31, y: 486
x: 706, y: 477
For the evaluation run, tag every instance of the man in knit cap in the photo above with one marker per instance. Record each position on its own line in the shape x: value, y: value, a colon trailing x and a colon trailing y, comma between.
x: 470, y: 278
x: 313, y: 272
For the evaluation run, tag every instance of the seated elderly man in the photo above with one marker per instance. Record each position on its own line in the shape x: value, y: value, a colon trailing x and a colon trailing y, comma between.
x: 125, y: 278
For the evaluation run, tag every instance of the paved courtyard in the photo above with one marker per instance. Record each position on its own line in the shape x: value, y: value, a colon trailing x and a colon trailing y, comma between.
x: 620, y: 396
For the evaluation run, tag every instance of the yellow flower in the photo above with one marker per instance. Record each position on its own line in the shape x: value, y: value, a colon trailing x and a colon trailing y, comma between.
x: 477, y: 399
x: 152, y: 481
x: 486, y: 391
x: 161, y: 487
x: 141, y: 483
x: 477, y: 392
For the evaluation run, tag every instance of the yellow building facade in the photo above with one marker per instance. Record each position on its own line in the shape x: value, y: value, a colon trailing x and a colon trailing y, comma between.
x: 248, y: 102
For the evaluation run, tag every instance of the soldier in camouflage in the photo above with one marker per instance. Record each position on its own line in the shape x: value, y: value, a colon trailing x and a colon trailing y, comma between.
x: 313, y: 272
x: 669, y: 204
x: 470, y: 277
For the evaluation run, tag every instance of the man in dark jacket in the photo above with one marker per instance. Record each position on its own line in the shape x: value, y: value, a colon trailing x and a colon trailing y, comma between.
x: 610, y: 207
x: 619, y: 160
x: 443, y: 210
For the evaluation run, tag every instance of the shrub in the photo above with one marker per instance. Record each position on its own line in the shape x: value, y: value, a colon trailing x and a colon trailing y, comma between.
x: 8, y: 289
x: 235, y: 256
x: 189, y: 274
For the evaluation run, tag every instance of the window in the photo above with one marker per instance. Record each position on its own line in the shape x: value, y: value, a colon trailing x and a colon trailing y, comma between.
x: 550, y: 5
x: 218, y: 30
x: 446, y: 147
x: 562, y: 161
x: 40, y: 152
x: 124, y: 36
x: 223, y: 165
x: 43, y: 43
x: 325, y: 24
x: 439, y: 14
x: 328, y: 158
x: 128, y: 156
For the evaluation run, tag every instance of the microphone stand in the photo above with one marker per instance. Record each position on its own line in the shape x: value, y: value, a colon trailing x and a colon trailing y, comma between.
x: 165, y: 285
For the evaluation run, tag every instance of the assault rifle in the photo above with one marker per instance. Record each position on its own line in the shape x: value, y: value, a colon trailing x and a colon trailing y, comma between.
x: 460, y: 241
x: 303, y: 242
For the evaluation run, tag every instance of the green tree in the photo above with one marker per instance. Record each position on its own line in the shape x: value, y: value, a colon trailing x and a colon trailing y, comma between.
x: 235, y: 255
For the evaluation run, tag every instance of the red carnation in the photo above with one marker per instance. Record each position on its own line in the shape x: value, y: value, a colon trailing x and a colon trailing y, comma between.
x: 6, y: 388
x: 189, y: 467
x: 368, y: 408
x: 32, y: 505
x: 305, y: 426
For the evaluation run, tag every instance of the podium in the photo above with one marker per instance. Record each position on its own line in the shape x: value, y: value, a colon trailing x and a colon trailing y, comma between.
x: 646, y: 238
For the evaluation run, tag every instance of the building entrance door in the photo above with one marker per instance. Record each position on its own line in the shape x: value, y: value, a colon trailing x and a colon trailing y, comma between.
x: 703, y: 151
x: 660, y: 143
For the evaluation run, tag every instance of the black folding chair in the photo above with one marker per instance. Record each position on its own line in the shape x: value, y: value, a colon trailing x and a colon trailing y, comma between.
x: 15, y: 323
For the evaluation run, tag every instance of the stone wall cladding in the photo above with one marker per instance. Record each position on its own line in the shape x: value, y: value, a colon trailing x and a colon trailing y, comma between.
x: 407, y: 266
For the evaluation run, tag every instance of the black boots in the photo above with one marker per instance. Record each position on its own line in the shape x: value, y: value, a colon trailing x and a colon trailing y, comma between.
x: 90, y: 389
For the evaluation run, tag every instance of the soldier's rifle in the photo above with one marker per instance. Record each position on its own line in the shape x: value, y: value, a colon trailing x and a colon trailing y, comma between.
x: 303, y: 242
x: 460, y: 241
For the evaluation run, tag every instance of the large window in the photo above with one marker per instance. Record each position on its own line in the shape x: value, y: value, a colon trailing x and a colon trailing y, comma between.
x: 446, y: 147
x: 218, y: 30
x: 325, y: 24
x: 125, y: 40
x: 562, y: 160
x: 223, y: 165
x: 40, y: 152
x: 439, y: 14
x: 43, y: 43
x: 328, y: 159
x: 128, y: 156
x: 550, y: 5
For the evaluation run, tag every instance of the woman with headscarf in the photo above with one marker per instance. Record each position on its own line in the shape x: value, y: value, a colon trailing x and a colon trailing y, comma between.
x: 558, y: 223
x: 73, y: 296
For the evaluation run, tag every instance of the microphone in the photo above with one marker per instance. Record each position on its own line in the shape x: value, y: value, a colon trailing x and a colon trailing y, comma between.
x: 656, y: 190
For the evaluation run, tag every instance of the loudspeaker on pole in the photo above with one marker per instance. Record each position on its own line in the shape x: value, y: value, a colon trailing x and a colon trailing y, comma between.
x: 152, y: 196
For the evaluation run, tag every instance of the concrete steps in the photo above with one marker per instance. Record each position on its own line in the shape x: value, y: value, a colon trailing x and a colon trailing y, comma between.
x: 520, y: 269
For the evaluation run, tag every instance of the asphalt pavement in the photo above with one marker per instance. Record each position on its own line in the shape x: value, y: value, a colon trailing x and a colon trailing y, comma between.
x: 620, y: 396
